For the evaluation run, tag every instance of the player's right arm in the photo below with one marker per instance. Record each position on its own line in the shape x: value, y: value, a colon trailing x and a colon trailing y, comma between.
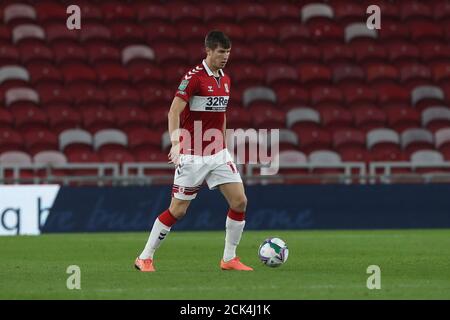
x: 175, y: 111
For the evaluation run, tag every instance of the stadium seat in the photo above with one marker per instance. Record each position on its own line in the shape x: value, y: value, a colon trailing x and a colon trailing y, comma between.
x: 246, y: 74
x: 349, y: 12
x: 288, y: 157
x: 242, y: 54
x: 142, y: 139
x: 436, y: 117
x: 137, y: 53
x: 72, y: 141
x: 53, y: 94
x: 368, y: 52
x: 401, y: 118
x: 40, y: 140
x: 44, y: 73
x: 62, y: 117
x: 15, y: 157
x: 86, y: 94
x: 327, y: 157
x: 57, y: 32
x: 6, y: 119
x: 425, y: 96
x: 218, y: 13
x: 368, y: 118
x: 402, y: 51
x: 17, y: 74
x: 97, y: 118
x: 415, y: 74
x: 292, y: 32
x: 303, y: 53
x: 416, y: 139
x: 266, y: 117
x: 119, y: 95
x: 325, y: 95
x: 313, y: 139
x: 99, y: 53
x: 316, y: 11
x: 182, y: 13
x: 161, y: 32
x: 19, y: 13
x: 238, y: 117
x: 290, y: 96
x: 345, y: 139
x: 95, y: 32
x: 152, y: 12
x: 382, y: 73
x: 311, y: 74
x: 50, y: 158
x: 51, y: 12
x: 79, y: 73
x: 258, y: 95
x: 29, y: 117
x: 335, y: 118
x: 192, y: 32
x: 10, y: 139
x: 425, y: 31
x: 441, y: 11
x: 346, y: 73
x: 9, y: 55
x: 167, y: 54
x: 280, y: 75
x: 357, y: 95
x: 384, y: 144
x: 115, y: 11
x: 250, y: 12
x: 91, y: 12
x: 129, y: 117
x: 145, y: 73
x: 355, y: 31
x: 415, y: 10
x: 28, y: 32
x: 156, y: 95
x: 127, y: 33
x: 302, y: 118
x: 392, y: 94
x: 69, y: 53
x: 110, y: 140
x: 335, y: 53
x: 393, y: 31
x: 174, y: 73
x: 233, y: 31
x: 21, y: 96
x: 288, y: 140
x: 434, y: 51
x: 442, y: 140
x: 441, y: 72
x: 35, y: 52
x: 326, y: 31
x: 270, y: 53
x: 428, y: 157
x: 112, y: 74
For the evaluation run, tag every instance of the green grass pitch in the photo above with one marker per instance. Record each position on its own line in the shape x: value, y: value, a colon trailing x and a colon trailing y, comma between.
x: 322, y: 265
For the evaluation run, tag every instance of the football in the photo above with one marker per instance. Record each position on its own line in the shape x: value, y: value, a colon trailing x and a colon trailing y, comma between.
x: 273, y: 252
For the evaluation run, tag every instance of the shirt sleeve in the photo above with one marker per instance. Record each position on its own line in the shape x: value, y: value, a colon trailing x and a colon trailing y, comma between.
x: 187, y: 88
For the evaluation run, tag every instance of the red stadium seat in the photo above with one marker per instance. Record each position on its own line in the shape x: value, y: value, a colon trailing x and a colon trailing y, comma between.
x: 217, y: 13
x: 158, y: 117
x: 167, y: 54
x: 87, y: 94
x: 9, y: 55
x: 51, y: 12
x: 270, y: 53
x: 29, y: 118
x: 155, y: 95
x: 174, y: 73
x: 145, y: 73
x: 250, y: 12
x: 382, y: 73
x: 346, y: 73
x: 79, y: 73
x: 402, y: 51
x: 441, y: 72
x: 265, y: 117
x: 434, y: 51
x: 359, y: 95
x: 289, y: 96
x: 425, y: 31
x: 402, y: 118
x: 119, y: 95
x: 95, y: 32
x: 246, y: 74
x: 44, y: 73
x: 368, y: 118
x: 119, y: 155
x: 90, y: 12
x: 96, y: 119
x: 259, y: 31
x: 35, y: 53
x: 182, y: 13
x: 441, y: 10
x: 142, y: 139
x: 334, y: 53
x: 326, y: 31
x: 128, y: 117
x: 69, y: 53
x: 314, y: 74
x: 393, y: 31
x: 111, y: 74
x: 335, y: 118
x: 6, y: 119
x: 40, y: 140
x: 313, y: 140
x: 281, y: 75
x: 192, y: 32
x: 292, y: 32
x: 348, y: 12
x: 392, y: 94
x: 344, y: 139
x: 10, y: 139
x: 415, y: 10
x: 415, y: 74
x: 57, y: 32
x: 127, y: 33
x: 103, y: 53
x: 234, y: 31
x: 114, y: 11
x: 152, y: 12
x: 62, y: 117
x: 324, y: 95
x: 238, y: 117
x: 303, y: 53
x: 51, y: 94
x: 368, y: 52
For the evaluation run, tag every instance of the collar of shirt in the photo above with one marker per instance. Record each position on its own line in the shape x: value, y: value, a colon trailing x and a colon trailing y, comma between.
x: 208, y: 70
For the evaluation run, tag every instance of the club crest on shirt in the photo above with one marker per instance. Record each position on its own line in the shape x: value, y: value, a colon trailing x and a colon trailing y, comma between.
x: 226, y: 88
x: 183, y: 85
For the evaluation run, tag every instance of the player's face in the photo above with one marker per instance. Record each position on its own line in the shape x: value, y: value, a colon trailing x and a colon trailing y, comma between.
x: 219, y: 57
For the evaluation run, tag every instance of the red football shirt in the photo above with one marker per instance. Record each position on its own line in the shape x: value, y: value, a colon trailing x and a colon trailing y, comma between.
x: 207, y: 99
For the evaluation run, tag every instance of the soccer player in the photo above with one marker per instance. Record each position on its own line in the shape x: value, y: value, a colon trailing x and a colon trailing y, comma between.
x: 196, y: 116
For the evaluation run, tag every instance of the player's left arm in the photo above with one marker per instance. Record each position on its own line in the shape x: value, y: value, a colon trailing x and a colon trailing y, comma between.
x: 225, y: 129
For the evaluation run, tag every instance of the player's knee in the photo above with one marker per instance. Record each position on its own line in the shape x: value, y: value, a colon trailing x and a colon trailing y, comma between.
x: 239, y: 203
x: 178, y: 210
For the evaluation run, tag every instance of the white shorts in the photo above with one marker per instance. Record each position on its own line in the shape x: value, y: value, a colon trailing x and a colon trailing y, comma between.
x: 216, y: 169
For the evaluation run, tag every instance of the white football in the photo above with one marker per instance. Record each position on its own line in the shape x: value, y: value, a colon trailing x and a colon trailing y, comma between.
x: 273, y: 252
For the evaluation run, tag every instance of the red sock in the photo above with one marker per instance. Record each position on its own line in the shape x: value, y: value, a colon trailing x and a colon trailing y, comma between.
x: 167, y: 218
x: 238, y: 216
